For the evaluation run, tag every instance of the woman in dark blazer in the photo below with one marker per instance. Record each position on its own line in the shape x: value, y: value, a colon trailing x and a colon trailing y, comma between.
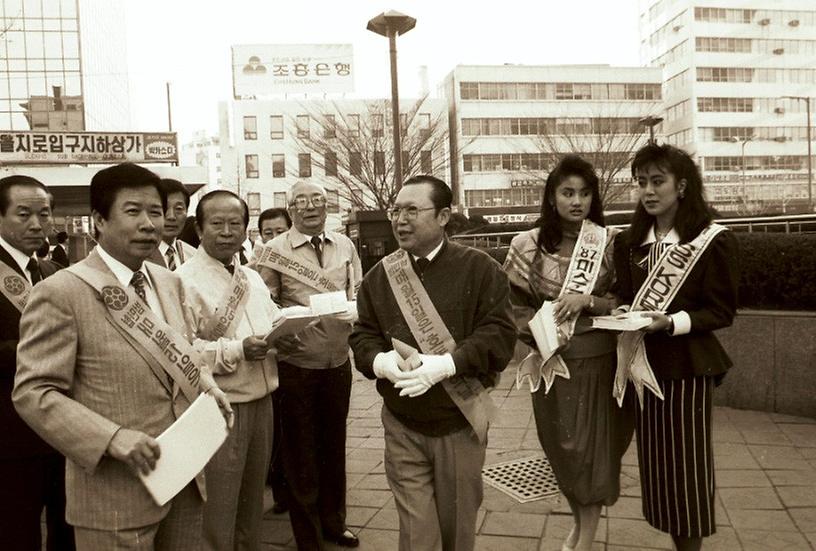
x: 674, y: 434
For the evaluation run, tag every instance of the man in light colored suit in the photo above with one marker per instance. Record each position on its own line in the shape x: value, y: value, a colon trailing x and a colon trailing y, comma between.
x: 172, y: 252
x: 93, y: 389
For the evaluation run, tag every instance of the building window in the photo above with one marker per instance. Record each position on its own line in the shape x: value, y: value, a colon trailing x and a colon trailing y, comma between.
x: 276, y: 127
x: 302, y: 123
x: 250, y: 128
x: 305, y: 165
x: 279, y: 199
x: 424, y: 125
x: 254, y: 203
x: 379, y: 163
x: 329, y: 126
x: 426, y: 162
x: 377, y: 125
x: 278, y: 166
x: 469, y: 90
x: 403, y: 118
x: 353, y: 122
x: 355, y: 163
x: 332, y: 201
x: 251, y: 166
x: 330, y: 163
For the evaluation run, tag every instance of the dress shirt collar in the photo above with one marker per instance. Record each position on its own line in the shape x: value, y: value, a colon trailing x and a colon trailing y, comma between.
x: 296, y: 238
x: 431, y: 255
x: 122, y: 273
x: 671, y: 238
x: 19, y: 256
x: 210, y: 262
x: 163, y: 246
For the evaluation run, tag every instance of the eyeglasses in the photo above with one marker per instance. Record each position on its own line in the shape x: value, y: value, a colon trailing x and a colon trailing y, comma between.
x: 410, y: 213
x: 302, y: 201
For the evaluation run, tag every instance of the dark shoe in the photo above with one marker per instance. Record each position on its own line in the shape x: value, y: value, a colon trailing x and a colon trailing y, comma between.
x: 346, y: 539
x: 279, y: 508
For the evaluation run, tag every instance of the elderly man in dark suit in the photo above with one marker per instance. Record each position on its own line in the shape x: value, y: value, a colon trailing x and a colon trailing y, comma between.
x: 32, y: 474
x: 60, y: 254
x: 94, y: 380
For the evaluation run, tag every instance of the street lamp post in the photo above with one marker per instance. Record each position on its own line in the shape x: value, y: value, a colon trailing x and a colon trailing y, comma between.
x: 391, y: 24
x: 806, y: 99
x: 744, y: 141
x: 651, y: 122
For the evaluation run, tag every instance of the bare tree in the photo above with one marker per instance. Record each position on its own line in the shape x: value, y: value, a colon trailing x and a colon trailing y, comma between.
x: 356, y: 149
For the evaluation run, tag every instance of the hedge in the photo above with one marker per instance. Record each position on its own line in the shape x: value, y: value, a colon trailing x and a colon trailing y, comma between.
x: 777, y: 270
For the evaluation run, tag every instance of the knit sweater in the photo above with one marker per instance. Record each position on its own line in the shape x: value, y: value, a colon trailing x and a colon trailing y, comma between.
x: 471, y: 294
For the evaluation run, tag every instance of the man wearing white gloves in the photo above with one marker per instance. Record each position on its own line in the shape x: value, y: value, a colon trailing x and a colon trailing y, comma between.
x: 435, y: 329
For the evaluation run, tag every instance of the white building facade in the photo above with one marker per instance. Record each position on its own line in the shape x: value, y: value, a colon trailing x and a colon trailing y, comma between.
x: 510, y: 123
x: 728, y: 66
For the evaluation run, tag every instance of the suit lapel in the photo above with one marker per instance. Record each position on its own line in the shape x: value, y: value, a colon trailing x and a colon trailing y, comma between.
x: 6, y: 257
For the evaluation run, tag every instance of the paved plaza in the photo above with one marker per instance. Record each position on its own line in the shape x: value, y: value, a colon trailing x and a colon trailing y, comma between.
x: 765, y: 474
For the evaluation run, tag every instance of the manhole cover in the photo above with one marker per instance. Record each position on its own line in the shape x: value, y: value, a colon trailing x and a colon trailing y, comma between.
x: 524, y: 480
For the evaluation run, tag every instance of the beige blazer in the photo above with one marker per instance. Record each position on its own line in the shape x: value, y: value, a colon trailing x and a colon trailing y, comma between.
x: 78, y: 380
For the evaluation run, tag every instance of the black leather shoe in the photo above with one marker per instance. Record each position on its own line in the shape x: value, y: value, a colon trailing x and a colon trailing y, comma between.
x: 346, y: 539
x: 279, y: 508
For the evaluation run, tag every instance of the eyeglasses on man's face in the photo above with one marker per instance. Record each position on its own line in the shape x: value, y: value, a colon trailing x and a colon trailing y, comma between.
x: 410, y: 213
x: 302, y: 201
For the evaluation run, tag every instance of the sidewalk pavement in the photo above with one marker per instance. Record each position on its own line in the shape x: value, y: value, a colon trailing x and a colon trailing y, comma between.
x: 765, y: 474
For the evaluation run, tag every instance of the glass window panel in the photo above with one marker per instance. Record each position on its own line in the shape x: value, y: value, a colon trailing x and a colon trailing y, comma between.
x: 68, y: 8
x: 276, y: 127
x: 32, y: 24
x: 51, y: 25
x: 32, y: 8
x: 36, y: 87
x: 53, y: 65
x: 72, y: 65
x: 18, y: 86
x: 34, y: 44
x: 5, y: 120
x: 15, y: 44
x: 51, y: 8
x: 72, y: 85
x: 13, y: 8
x: 19, y: 122
x: 70, y: 44
x: 69, y: 24
x: 53, y: 45
x: 36, y: 65
x: 17, y: 65
x: 278, y: 167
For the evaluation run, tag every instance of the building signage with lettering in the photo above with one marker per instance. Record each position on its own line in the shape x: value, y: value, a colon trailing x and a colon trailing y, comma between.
x: 87, y: 147
x: 264, y: 69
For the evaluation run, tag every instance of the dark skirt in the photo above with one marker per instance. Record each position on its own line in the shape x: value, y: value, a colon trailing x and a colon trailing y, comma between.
x: 583, y: 431
x: 674, y: 454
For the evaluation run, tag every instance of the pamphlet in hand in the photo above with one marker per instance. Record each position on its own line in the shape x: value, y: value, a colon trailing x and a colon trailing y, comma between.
x: 292, y: 320
x: 408, y: 353
x: 548, y: 337
x: 186, y: 447
x: 328, y: 304
x: 629, y: 321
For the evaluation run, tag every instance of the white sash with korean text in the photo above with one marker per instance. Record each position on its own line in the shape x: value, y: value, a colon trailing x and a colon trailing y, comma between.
x: 432, y: 337
x: 163, y: 348
x: 304, y: 271
x: 584, y: 269
x: 15, y: 287
x: 231, y: 308
x: 655, y: 295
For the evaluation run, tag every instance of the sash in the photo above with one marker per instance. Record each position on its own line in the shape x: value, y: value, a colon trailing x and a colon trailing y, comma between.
x: 15, y: 287
x: 584, y: 269
x: 432, y: 337
x: 231, y: 308
x: 304, y: 271
x: 656, y: 294
x: 161, y: 346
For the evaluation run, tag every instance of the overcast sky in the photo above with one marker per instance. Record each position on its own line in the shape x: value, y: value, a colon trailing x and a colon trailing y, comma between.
x: 187, y: 42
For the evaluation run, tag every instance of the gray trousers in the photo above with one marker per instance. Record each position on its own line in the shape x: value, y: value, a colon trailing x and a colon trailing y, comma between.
x: 179, y: 530
x: 437, y: 485
x: 236, y: 476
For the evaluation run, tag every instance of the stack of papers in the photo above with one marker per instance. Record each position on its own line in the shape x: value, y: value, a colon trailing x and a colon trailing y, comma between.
x: 630, y: 321
x: 546, y: 333
x: 291, y: 321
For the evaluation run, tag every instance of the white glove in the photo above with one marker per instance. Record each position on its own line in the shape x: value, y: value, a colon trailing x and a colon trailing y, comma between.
x: 433, y: 370
x: 387, y: 366
x: 351, y: 314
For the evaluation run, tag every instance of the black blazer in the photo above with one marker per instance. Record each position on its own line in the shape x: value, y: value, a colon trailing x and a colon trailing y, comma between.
x: 59, y: 256
x: 17, y: 440
x: 709, y: 296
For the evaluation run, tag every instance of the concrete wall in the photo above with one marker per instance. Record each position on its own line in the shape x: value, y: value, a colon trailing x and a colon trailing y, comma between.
x: 774, y: 355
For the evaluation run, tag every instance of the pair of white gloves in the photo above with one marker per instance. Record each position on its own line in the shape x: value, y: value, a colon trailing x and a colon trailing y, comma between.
x: 413, y: 382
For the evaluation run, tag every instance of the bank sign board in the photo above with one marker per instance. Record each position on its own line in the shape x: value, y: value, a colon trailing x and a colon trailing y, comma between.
x: 266, y: 69
x: 87, y: 147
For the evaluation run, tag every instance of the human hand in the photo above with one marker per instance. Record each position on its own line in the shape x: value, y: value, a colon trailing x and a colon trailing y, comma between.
x: 255, y: 348
x: 223, y: 404
x: 351, y: 314
x: 288, y: 344
x: 389, y: 365
x: 134, y: 448
x: 433, y: 369
x: 660, y: 322
x: 569, y: 305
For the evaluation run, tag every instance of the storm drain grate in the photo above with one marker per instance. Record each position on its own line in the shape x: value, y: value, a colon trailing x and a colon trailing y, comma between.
x: 524, y: 480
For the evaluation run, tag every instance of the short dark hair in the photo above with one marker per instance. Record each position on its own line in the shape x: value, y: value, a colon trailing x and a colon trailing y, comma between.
x: 271, y: 214
x: 62, y: 237
x: 106, y: 184
x: 441, y: 195
x: 551, y: 232
x: 169, y: 185
x: 19, y: 180
x: 693, y: 214
x: 199, y: 214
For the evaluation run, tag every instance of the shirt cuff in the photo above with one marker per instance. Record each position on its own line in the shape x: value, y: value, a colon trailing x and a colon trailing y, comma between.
x: 234, y: 352
x: 682, y: 323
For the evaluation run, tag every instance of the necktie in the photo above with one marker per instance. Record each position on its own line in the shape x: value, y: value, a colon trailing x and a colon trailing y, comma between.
x: 138, y: 282
x: 33, y: 268
x: 422, y: 264
x: 317, y: 244
x: 242, y: 257
x: 170, y: 255
x: 230, y: 268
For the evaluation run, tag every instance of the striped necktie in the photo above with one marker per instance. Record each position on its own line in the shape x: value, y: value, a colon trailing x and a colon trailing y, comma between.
x: 170, y: 255
x: 138, y: 282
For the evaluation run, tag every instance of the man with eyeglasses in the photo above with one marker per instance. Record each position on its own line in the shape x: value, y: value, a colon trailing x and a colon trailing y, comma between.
x: 173, y: 252
x: 314, y: 367
x: 451, y: 305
